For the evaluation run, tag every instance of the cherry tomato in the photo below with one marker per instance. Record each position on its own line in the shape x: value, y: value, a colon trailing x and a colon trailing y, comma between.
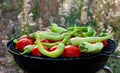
x: 23, y: 37
x: 47, y: 41
x: 51, y: 41
x: 20, y: 44
x: 26, y: 37
x: 36, y: 52
x: 44, y: 41
x: 105, y: 43
x: 53, y: 48
x: 71, y: 51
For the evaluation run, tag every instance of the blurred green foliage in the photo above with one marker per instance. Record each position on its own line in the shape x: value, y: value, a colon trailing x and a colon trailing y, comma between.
x: 35, y: 9
x: 10, y: 5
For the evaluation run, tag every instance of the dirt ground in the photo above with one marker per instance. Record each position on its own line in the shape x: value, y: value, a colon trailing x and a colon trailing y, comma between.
x: 7, y: 64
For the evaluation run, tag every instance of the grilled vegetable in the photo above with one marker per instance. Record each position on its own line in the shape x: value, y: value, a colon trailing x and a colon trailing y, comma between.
x: 77, y: 41
x: 89, y: 48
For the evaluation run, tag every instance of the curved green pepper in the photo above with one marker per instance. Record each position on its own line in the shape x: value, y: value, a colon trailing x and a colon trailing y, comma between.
x: 52, y: 37
x: 77, y: 41
x: 52, y: 54
x: 28, y: 49
x: 60, y: 48
x: 49, y: 45
x: 55, y: 28
x: 47, y: 36
x: 83, y: 31
x: 68, y: 35
x: 79, y: 32
x: 50, y: 33
x: 90, y: 32
x: 89, y: 48
x: 103, y: 34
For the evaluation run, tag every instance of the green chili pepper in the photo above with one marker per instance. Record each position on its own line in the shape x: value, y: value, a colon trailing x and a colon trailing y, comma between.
x: 79, y: 32
x: 52, y: 37
x: 77, y: 41
x: 49, y: 32
x: 103, y: 34
x: 15, y: 41
x: 90, y: 32
x: 89, y: 48
x: 77, y: 27
x: 68, y: 35
x: 49, y: 45
x: 66, y: 38
x: 52, y: 54
x: 47, y: 36
x: 28, y: 49
x: 83, y: 31
x: 55, y: 28
x: 60, y: 48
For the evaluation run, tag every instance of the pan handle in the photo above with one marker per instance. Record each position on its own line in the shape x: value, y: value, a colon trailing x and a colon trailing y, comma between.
x: 107, y: 69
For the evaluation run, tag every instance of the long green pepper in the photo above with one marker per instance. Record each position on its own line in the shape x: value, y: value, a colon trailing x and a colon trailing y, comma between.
x: 52, y: 54
x: 56, y: 35
x: 50, y: 36
x: 49, y: 45
x: 76, y: 41
x: 55, y: 28
x: 59, y: 50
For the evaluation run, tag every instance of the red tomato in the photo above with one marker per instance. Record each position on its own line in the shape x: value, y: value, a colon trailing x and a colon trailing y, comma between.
x: 71, y: 51
x: 23, y: 37
x: 26, y: 37
x: 47, y: 41
x: 20, y: 44
x: 36, y: 52
x: 44, y: 41
x: 51, y: 41
x: 53, y: 48
x: 105, y: 43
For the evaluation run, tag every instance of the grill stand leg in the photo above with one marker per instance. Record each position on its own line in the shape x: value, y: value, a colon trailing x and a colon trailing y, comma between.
x: 107, y: 69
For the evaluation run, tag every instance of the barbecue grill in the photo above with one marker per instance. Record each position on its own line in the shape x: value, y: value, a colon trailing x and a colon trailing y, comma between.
x: 85, y: 64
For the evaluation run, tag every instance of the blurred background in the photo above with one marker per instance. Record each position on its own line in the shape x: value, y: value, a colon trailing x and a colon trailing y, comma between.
x: 18, y: 17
